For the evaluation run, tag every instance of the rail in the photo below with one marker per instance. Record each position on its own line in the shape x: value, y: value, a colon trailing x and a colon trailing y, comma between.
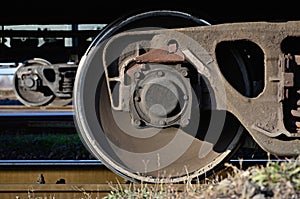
x: 50, y: 163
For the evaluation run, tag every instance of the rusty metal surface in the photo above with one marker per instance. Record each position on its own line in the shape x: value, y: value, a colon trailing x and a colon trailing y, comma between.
x: 262, y: 114
x: 69, y: 181
x: 161, y: 56
x: 72, y: 191
x: 53, y: 173
x: 135, y: 143
x: 59, y: 180
x: 263, y: 105
x: 50, y: 191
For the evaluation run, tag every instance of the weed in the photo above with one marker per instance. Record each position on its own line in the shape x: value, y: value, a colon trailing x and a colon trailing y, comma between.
x: 276, y: 180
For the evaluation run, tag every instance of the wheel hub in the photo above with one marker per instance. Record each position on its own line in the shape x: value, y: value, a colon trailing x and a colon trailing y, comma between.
x: 161, y: 96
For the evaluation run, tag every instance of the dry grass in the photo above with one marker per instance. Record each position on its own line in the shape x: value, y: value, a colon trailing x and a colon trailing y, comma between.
x: 276, y: 180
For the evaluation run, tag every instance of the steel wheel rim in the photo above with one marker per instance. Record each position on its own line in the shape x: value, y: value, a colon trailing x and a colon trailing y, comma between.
x: 86, y: 125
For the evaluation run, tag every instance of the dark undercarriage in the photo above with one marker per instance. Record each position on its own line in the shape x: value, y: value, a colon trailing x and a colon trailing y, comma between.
x: 91, y: 11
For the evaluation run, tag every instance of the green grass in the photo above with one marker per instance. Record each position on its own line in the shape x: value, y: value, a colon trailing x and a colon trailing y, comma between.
x: 42, y: 146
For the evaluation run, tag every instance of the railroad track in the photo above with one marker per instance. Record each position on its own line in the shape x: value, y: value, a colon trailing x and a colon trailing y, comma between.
x: 63, y: 179
x: 35, y: 109
x: 36, y: 117
x: 74, y: 179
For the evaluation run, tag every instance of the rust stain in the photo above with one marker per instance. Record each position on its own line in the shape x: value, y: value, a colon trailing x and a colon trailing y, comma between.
x: 161, y: 56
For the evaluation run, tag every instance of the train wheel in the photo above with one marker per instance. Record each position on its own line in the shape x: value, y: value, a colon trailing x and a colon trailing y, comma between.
x: 157, y: 151
x: 24, y: 85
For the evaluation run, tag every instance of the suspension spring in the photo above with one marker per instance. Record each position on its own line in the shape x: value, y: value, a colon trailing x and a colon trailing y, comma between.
x: 291, y: 102
x: 67, y: 83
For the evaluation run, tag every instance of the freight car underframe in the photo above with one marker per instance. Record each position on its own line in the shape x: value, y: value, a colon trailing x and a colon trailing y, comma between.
x: 171, y: 104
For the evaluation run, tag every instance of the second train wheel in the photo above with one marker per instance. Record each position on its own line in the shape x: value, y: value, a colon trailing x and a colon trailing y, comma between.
x: 153, y: 154
x: 24, y: 83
